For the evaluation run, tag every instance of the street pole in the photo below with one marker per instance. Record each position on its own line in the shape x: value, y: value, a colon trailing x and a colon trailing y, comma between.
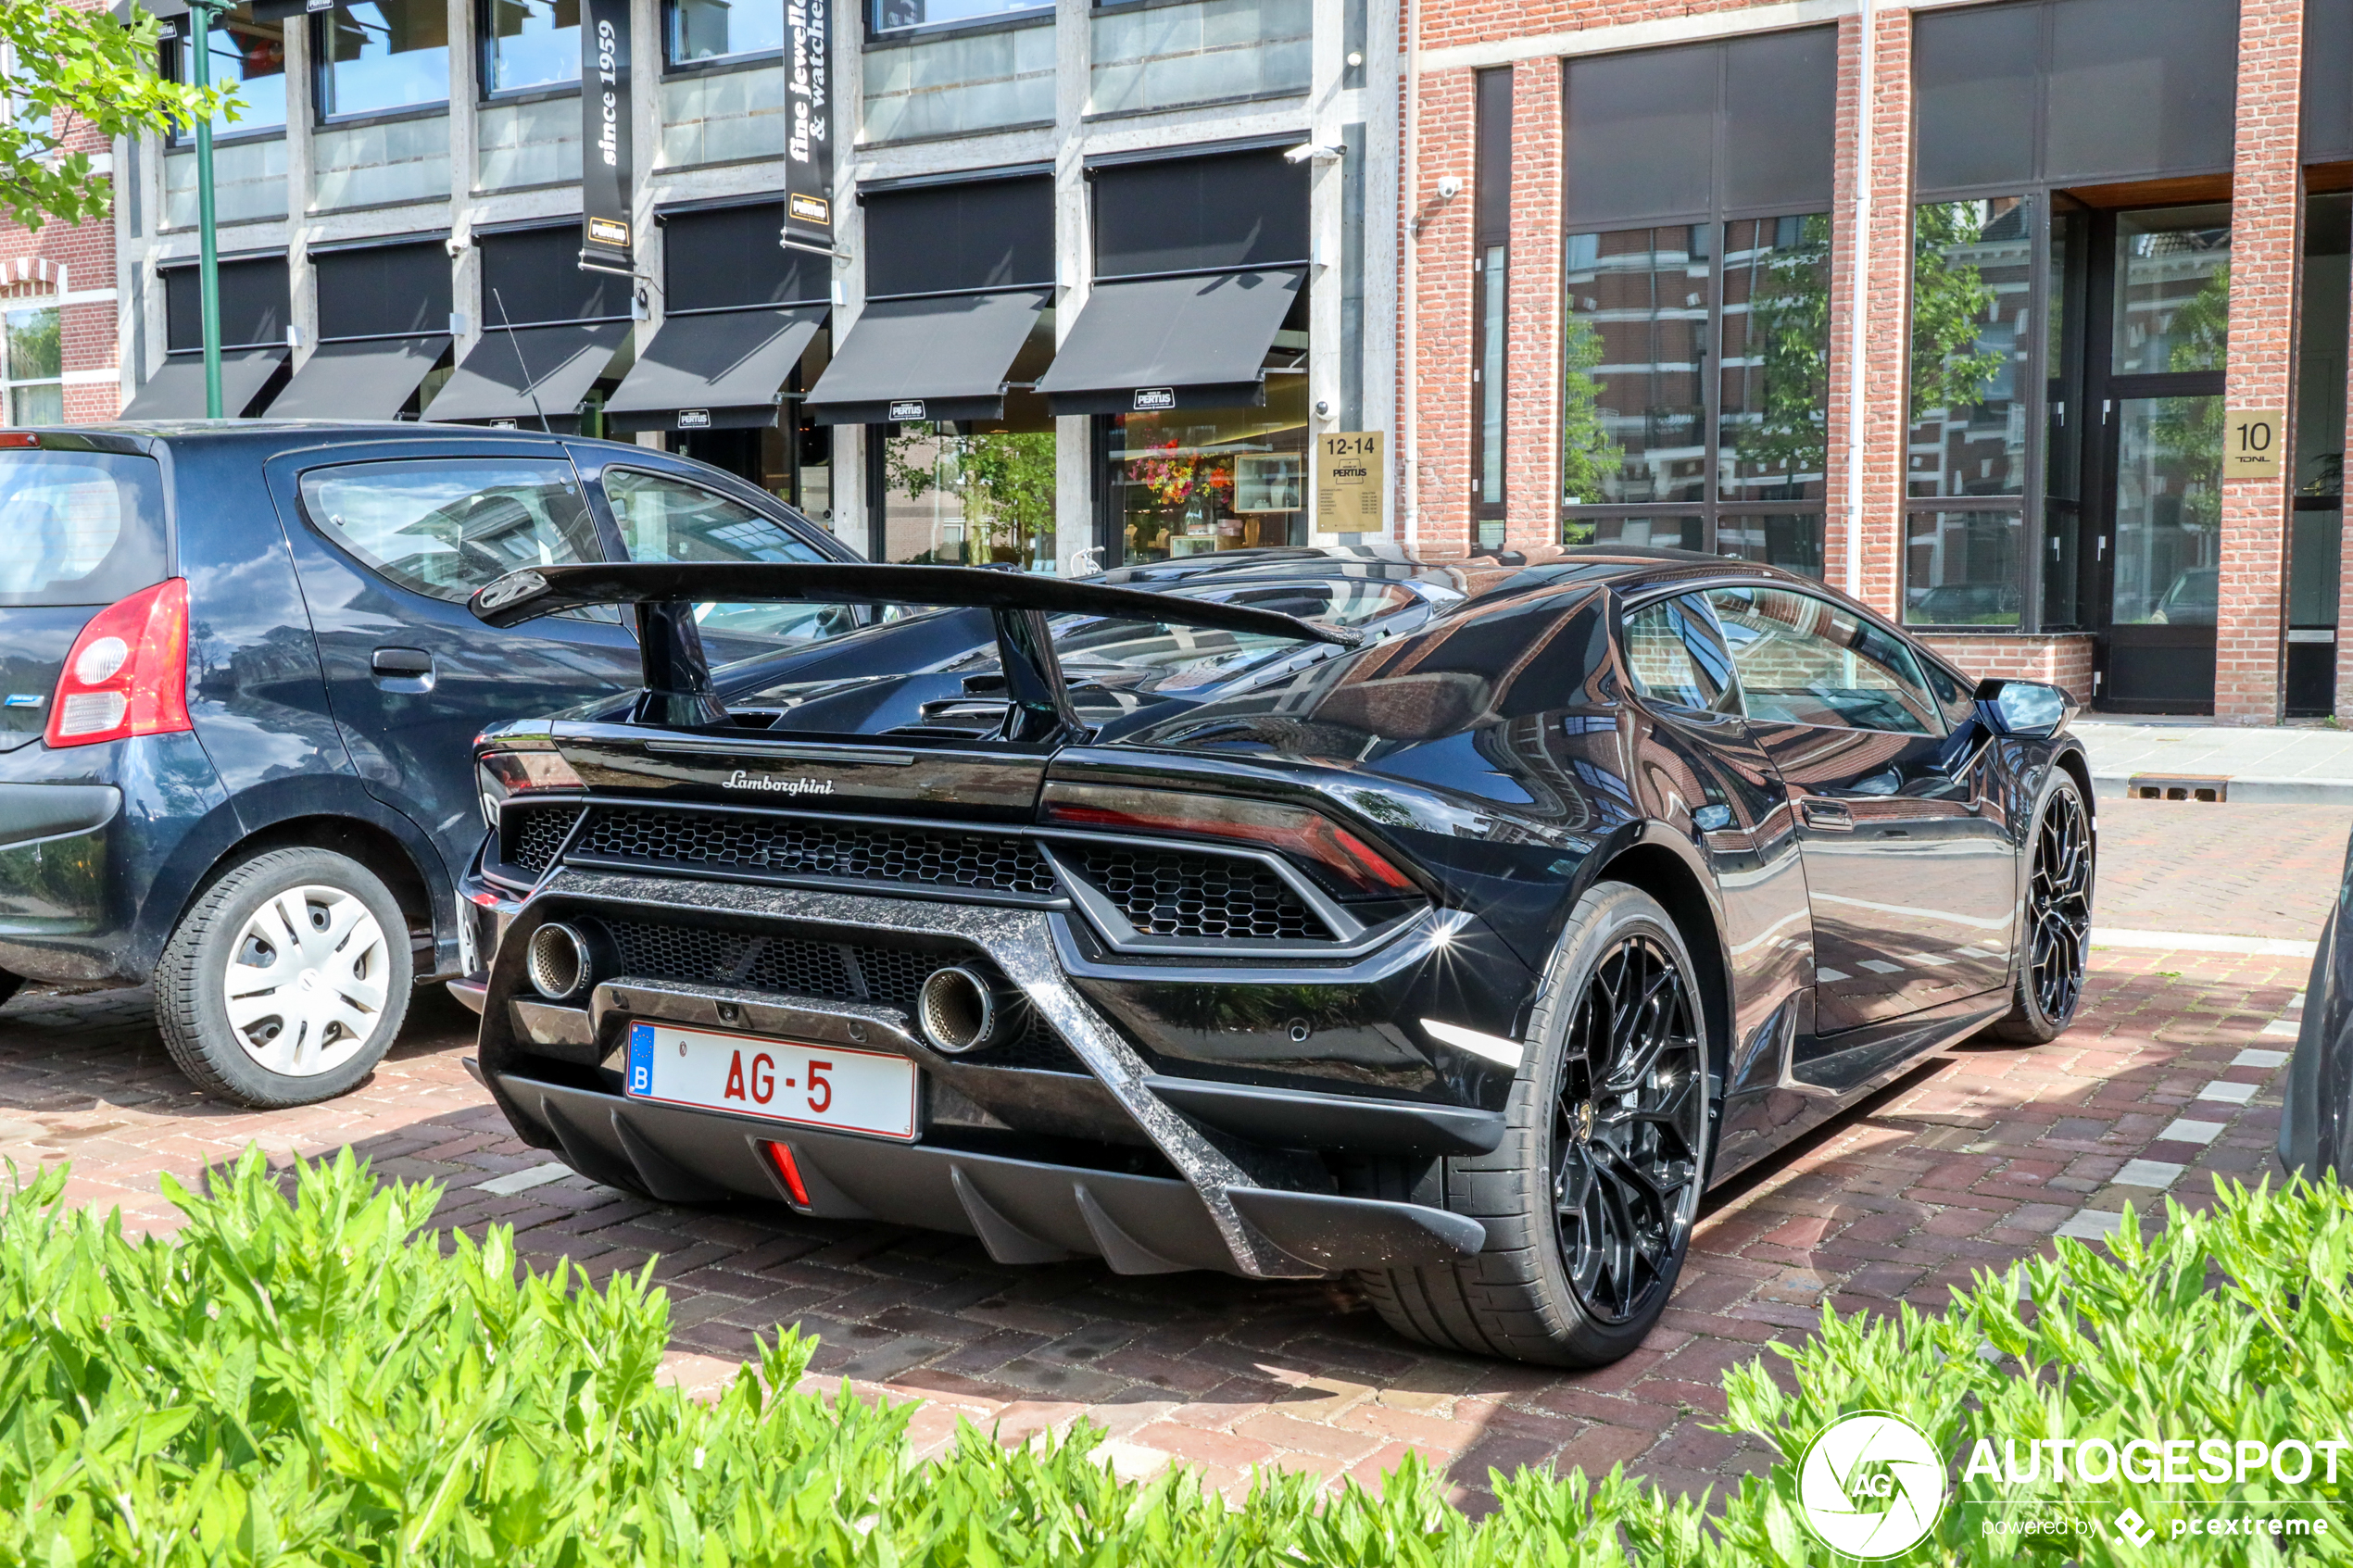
x: 200, y: 15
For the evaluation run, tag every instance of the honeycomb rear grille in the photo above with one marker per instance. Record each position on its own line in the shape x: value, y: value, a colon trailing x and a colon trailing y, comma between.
x: 832, y: 971
x: 1167, y: 892
x: 719, y: 841
x: 530, y: 835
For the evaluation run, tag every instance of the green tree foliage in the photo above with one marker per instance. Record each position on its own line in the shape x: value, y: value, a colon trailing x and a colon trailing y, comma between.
x: 77, y: 69
x: 1005, y: 482
x: 308, y: 1380
x: 1589, y: 459
x: 1951, y: 369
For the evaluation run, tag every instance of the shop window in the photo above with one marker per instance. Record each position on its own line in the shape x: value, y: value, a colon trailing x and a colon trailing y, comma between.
x: 1671, y: 530
x: 378, y: 55
x: 1193, y: 481
x: 528, y: 43
x: 1490, y: 299
x: 1773, y: 400
x: 1971, y: 271
x: 985, y: 498
x: 1636, y: 335
x: 255, y: 305
x: 697, y: 31
x: 2172, y: 292
x: 1961, y: 568
x: 2315, y: 553
x: 1792, y: 541
x: 245, y: 54
x: 898, y: 15
x: 32, y: 367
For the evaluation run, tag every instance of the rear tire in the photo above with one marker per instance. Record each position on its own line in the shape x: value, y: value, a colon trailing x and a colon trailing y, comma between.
x: 286, y: 981
x: 9, y: 985
x: 2054, y: 921
x: 1590, y: 1198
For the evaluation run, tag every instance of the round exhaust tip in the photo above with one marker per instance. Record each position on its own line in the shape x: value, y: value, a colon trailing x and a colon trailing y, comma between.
x: 557, y: 961
x: 959, y: 1010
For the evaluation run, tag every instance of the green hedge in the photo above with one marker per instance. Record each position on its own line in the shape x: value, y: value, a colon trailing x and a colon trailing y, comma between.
x: 320, y: 1382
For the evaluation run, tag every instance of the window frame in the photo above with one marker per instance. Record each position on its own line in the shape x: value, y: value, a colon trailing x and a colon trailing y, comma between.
x: 672, y: 66
x: 321, y: 65
x: 9, y: 380
x: 169, y: 64
x: 1036, y: 13
x: 486, y: 53
x: 1712, y: 507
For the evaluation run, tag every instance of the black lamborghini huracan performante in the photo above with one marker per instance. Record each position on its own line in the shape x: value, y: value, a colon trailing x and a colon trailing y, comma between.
x: 1453, y: 926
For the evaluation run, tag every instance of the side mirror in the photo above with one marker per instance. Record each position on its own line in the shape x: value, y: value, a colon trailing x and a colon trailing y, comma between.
x: 2026, y: 710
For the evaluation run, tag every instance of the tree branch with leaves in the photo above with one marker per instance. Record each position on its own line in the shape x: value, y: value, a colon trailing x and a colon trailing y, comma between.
x: 76, y: 73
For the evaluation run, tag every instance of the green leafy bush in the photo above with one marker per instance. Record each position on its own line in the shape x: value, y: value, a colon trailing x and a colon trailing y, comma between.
x: 316, y: 1381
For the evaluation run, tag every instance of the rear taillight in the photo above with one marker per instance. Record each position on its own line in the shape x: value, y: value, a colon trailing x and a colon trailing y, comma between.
x: 128, y: 672
x: 1308, y: 836
x: 505, y: 770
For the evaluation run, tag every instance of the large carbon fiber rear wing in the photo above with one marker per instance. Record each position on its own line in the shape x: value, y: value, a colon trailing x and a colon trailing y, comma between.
x: 678, y: 674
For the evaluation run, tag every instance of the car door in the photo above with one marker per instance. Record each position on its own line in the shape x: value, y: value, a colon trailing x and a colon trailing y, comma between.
x: 389, y: 540
x: 1910, y: 874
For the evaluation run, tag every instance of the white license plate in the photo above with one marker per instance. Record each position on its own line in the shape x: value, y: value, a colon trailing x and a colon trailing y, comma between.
x: 827, y: 1086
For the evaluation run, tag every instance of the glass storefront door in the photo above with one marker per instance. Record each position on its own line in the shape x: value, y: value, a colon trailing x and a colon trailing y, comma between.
x: 2160, y: 375
x: 1192, y: 481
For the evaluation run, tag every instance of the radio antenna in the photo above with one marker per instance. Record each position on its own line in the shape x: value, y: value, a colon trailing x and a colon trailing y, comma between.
x: 516, y: 343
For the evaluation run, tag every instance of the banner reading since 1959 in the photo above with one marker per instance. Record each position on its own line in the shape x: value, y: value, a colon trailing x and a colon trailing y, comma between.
x: 606, y: 233
x: 809, y: 144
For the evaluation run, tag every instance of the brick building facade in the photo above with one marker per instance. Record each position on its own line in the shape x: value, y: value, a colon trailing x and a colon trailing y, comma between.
x: 2093, y: 235
x: 58, y: 355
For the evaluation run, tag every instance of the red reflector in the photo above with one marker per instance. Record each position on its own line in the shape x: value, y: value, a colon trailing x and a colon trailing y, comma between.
x: 781, y: 1157
x: 18, y: 438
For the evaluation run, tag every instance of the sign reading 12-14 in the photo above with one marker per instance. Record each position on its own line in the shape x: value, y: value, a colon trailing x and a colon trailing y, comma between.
x: 606, y: 233
x: 808, y: 144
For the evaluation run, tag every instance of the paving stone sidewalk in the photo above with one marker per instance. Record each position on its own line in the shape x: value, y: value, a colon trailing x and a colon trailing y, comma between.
x: 2169, y: 1077
x: 2232, y: 870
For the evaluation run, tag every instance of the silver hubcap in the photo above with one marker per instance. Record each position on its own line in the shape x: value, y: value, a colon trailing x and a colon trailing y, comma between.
x: 306, y: 981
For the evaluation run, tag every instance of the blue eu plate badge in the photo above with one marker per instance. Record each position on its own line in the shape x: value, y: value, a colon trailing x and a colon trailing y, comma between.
x: 641, y: 1058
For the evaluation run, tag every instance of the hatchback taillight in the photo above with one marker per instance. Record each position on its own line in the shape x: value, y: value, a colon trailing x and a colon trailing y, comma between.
x: 128, y: 672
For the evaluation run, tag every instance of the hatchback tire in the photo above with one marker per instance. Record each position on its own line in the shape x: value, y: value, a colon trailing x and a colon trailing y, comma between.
x: 1590, y: 1198
x: 2055, y: 920
x: 9, y: 985
x: 286, y: 981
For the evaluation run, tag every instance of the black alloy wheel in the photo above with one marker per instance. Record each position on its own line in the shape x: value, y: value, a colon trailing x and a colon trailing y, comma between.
x: 2054, y: 933
x: 1590, y: 1199
x: 1629, y: 1124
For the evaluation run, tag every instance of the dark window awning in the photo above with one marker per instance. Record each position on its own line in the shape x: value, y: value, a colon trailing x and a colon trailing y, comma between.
x: 176, y: 391
x: 371, y: 379
x: 720, y: 370
x: 1151, y: 344
x: 498, y: 380
x: 944, y: 357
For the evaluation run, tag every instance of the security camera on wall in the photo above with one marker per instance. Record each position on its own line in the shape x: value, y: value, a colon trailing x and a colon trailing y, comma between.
x: 455, y: 244
x: 1449, y: 187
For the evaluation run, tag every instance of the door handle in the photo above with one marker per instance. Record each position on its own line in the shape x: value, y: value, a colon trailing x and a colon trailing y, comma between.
x: 1826, y: 816
x: 405, y: 670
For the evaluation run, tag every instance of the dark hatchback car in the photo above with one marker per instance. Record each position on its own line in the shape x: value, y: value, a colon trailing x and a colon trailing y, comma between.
x: 1454, y: 925
x: 239, y: 688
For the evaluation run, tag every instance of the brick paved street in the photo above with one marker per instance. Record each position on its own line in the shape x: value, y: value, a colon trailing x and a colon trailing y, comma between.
x: 2233, y: 870
x: 1971, y: 1162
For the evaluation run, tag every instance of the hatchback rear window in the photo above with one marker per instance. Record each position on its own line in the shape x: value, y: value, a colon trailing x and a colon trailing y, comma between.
x: 78, y: 528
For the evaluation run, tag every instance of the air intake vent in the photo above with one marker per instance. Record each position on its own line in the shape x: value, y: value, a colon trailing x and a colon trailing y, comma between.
x: 1217, y: 897
x: 719, y: 841
x: 530, y: 835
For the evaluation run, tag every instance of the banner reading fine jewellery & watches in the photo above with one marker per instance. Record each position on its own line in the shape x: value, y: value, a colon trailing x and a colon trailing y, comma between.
x: 809, y: 144
x: 605, y: 235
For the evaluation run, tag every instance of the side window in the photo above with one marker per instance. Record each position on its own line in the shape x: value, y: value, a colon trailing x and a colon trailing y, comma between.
x: 1803, y: 660
x: 665, y: 519
x: 445, y: 526
x: 668, y: 519
x: 1673, y: 655
x: 1956, y: 696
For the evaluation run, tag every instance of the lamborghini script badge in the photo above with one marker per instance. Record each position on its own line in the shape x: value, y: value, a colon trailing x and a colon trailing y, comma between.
x: 741, y: 780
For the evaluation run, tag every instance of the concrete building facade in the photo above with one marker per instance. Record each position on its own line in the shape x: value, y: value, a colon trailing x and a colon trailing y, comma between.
x: 400, y: 210
x: 2088, y: 420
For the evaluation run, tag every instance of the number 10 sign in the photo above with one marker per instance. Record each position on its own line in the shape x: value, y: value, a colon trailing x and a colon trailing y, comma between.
x: 2252, y: 439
